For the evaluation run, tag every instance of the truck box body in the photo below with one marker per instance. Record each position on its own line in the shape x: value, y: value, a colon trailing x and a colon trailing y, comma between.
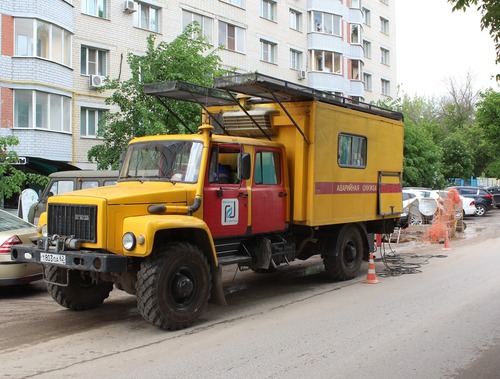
x: 324, y: 189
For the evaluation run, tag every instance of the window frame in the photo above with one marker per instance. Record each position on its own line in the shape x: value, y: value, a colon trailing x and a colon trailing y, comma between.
x: 86, y: 4
x: 368, y: 81
x: 236, y: 3
x: 295, y: 19
x: 207, y: 31
x: 268, y: 51
x: 269, y: 10
x: 335, y: 61
x: 100, y: 67
x: 384, y: 25
x: 239, y: 37
x: 138, y: 17
x: 336, y: 27
x: 352, y: 161
x: 98, y: 116
x: 276, y: 168
x: 296, y: 57
x: 39, y: 110
x: 367, y: 49
x: 385, y: 87
x: 367, y: 17
x: 385, y: 56
x: 29, y: 45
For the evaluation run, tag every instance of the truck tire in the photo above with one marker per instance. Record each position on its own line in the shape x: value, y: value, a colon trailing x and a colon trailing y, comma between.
x: 81, y: 293
x: 345, y: 263
x: 173, y: 286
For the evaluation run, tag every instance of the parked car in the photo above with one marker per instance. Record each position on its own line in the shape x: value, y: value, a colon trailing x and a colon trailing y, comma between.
x: 14, y: 230
x: 483, y: 200
x: 495, y: 191
x: 67, y: 181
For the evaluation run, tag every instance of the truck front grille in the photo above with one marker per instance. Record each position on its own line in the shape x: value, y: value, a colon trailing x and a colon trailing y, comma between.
x: 73, y: 220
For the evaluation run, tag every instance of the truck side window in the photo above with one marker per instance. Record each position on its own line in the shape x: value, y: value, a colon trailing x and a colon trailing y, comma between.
x: 90, y: 184
x: 267, y: 167
x: 351, y: 151
x: 224, y: 164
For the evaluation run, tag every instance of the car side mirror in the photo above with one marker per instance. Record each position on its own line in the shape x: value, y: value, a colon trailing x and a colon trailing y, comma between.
x: 244, y: 167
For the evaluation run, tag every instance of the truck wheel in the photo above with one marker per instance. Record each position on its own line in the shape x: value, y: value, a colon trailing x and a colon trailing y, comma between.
x: 82, y: 292
x: 345, y: 263
x: 173, y: 286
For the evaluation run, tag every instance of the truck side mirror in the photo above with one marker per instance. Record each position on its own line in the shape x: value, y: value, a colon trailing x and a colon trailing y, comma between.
x: 244, y: 167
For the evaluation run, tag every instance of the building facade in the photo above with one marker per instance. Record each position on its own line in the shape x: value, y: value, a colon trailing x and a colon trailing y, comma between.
x: 55, y: 55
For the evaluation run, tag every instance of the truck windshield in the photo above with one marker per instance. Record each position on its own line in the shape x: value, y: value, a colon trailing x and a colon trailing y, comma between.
x: 176, y: 161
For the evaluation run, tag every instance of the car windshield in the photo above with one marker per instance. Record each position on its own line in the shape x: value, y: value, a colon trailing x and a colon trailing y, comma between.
x: 176, y: 161
x: 11, y: 222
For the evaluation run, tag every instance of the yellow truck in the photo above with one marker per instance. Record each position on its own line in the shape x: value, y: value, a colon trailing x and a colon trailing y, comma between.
x: 276, y: 172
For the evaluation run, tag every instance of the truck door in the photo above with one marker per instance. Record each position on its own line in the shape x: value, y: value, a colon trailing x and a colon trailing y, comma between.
x: 269, y: 195
x: 225, y: 200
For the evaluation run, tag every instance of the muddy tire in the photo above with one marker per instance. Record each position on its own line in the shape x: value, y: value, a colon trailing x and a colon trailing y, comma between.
x: 173, y: 286
x: 81, y: 293
x: 346, y: 262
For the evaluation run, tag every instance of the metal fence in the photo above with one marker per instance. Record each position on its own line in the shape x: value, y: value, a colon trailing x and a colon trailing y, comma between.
x: 475, y: 182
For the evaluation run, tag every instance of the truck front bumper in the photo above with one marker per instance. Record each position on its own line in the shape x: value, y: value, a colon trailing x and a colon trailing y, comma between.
x: 85, y: 260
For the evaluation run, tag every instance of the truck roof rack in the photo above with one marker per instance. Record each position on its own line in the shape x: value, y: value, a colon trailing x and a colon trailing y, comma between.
x: 272, y: 89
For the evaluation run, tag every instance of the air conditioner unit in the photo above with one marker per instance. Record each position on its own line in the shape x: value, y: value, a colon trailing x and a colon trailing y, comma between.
x: 96, y: 81
x: 301, y: 74
x: 129, y: 6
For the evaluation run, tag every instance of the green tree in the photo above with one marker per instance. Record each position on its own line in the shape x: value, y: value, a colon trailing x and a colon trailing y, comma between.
x: 12, y: 179
x: 457, y: 157
x: 185, y: 58
x: 488, y: 119
x: 490, y: 19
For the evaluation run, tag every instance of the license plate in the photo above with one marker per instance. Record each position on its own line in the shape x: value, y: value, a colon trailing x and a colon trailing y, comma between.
x: 53, y: 258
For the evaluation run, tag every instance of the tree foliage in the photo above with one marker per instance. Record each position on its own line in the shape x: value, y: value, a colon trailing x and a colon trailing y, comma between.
x: 488, y: 120
x: 490, y: 17
x: 186, y: 59
x: 12, y: 179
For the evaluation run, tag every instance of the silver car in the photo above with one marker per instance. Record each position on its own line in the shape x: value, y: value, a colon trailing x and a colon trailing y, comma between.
x: 14, y: 230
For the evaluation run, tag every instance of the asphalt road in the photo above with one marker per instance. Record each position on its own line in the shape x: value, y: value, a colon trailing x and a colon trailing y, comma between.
x: 440, y: 319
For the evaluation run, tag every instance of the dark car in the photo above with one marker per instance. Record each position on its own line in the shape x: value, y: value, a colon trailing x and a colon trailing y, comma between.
x: 482, y: 198
x: 495, y: 191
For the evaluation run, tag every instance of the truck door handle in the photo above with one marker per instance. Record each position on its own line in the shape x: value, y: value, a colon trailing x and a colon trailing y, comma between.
x: 282, y: 194
x: 244, y: 195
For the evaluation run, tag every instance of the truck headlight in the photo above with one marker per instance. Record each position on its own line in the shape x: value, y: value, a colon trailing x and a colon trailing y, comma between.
x: 128, y: 241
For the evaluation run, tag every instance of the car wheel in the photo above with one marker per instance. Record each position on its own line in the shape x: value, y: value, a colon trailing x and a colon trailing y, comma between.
x: 480, y: 210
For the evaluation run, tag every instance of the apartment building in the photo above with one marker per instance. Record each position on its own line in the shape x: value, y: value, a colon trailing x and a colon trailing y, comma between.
x: 56, y: 53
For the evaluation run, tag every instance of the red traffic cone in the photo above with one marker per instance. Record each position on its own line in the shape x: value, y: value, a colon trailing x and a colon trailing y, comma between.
x: 446, y: 242
x: 371, y: 278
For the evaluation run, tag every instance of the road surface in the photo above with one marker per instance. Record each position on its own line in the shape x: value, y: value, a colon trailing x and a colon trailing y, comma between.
x: 441, y: 321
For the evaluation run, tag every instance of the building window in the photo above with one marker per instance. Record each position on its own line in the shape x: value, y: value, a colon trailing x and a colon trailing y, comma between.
x: 295, y: 20
x: 356, y: 68
x: 367, y: 16
x: 147, y: 17
x: 352, y: 151
x: 355, y: 34
x: 231, y: 37
x: 268, y: 51
x: 386, y: 87
x: 268, y: 9
x: 367, y: 80
x: 202, y: 22
x: 384, y: 25
x: 238, y: 3
x: 95, y: 8
x: 326, y: 23
x: 36, y: 109
x: 35, y: 38
x: 326, y: 61
x: 93, y: 61
x: 89, y: 121
x: 356, y: 4
x: 295, y: 60
x: 385, y: 56
x: 367, y: 49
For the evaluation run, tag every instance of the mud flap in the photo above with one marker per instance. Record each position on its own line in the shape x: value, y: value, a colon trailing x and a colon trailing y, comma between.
x: 217, y: 294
